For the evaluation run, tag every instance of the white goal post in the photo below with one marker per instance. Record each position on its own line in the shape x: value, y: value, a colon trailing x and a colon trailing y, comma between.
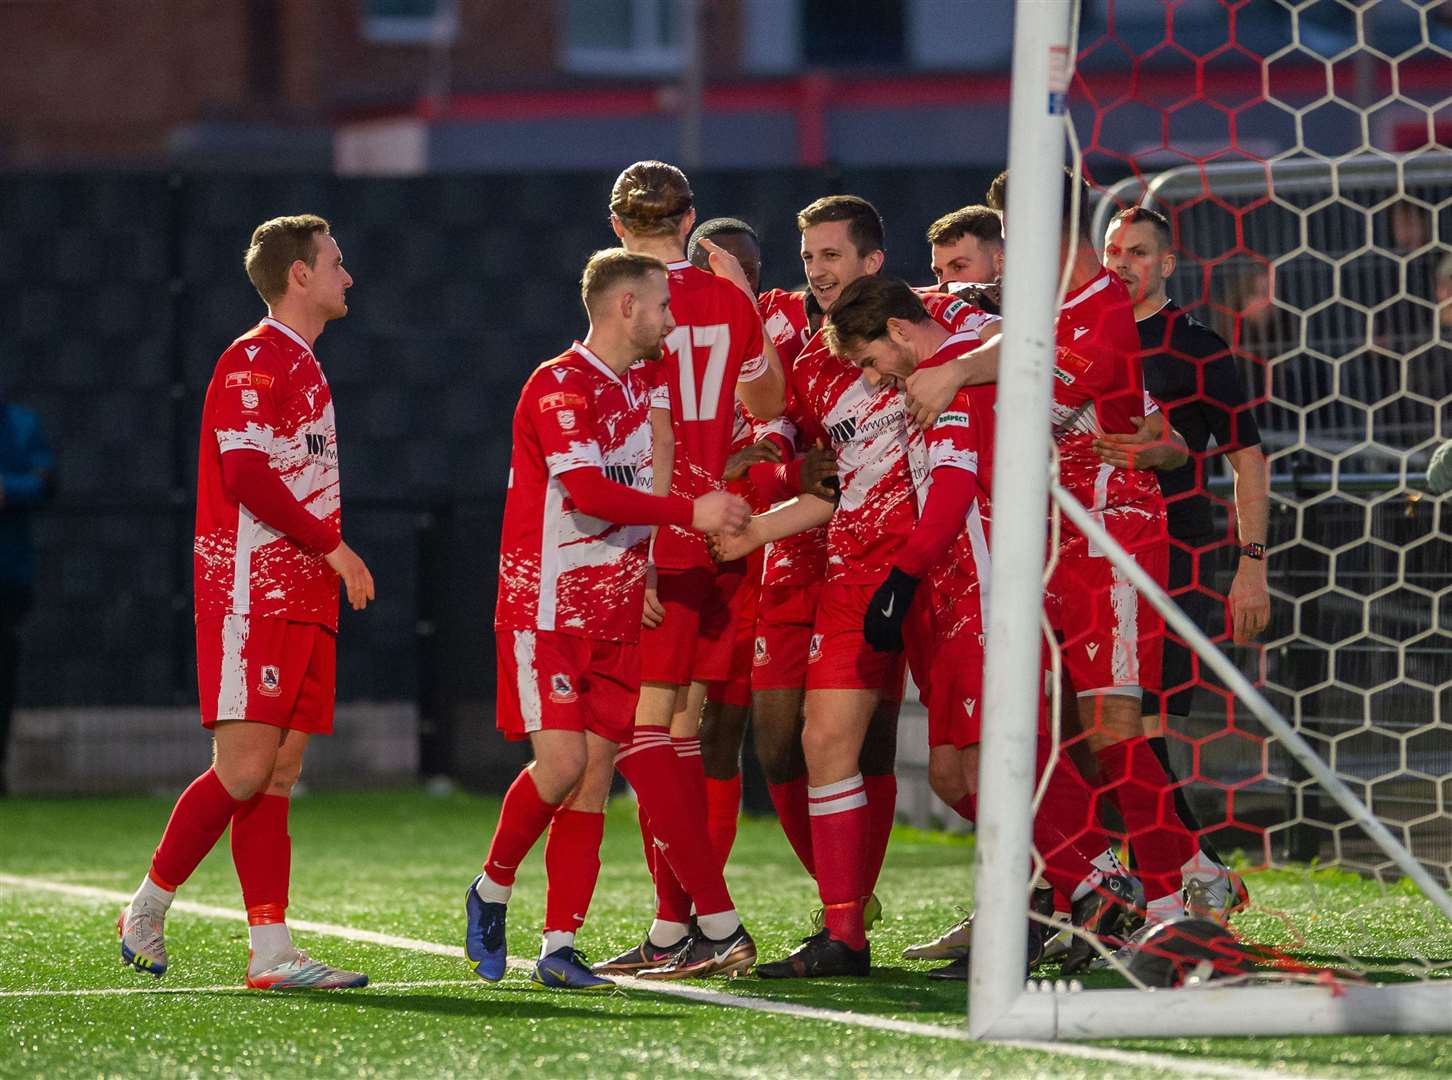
x: 1001, y: 1006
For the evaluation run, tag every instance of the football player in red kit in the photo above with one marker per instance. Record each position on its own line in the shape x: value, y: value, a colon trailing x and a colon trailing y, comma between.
x: 571, y: 581
x: 268, y: 557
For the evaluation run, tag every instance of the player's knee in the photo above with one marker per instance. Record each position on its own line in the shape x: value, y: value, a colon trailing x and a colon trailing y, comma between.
x: 557, y: 773
x: 284, y: 778
x: 945, y: 776
x: 722, y: 729
x: 243, y: 778
x: 828, y: 750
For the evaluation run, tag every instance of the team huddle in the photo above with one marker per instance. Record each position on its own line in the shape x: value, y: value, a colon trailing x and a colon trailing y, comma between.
x: 725, y: 505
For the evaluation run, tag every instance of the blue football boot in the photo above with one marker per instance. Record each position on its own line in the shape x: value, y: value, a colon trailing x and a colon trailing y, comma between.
x: 484, y: 935
x: 566, y: 969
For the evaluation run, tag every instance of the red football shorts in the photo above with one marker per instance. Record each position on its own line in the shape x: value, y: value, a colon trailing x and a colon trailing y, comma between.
x: 549, y: 681
x: 838, y: 656
x: 270, y: 671
x: 786, y: 617
x: 735, y: 689
x: 1112, y: 636
x: 955, y: 707
x: 694, y: 641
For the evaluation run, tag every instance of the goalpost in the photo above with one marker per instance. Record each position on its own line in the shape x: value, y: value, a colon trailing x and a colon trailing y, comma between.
x: 1300, y: 180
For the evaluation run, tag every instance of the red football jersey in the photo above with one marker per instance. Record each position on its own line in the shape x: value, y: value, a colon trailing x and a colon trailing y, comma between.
x: 267, y: 394
x: 962, y: 438
x: 1098, y: 386
x: 717, y: 343
x: 784, y: 318
x: 560, y: 569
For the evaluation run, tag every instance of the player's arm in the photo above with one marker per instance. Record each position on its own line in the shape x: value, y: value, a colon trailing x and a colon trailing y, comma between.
x: 1249, y: 593
x: 1153, y: 444
x: 33, y: 484
x: 950, y: 498
x: 662, y: 450
x: 931, y: 389
x: 802, y: 513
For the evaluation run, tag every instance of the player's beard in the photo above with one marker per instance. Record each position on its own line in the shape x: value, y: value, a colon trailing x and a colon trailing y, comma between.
x: 652, y: 347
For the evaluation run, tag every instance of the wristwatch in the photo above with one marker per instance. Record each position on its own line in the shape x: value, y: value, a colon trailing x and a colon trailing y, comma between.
x: 1253, y: 551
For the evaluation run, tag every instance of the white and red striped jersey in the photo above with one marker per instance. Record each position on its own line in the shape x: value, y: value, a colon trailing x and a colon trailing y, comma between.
x: 784, y: 318
x: 1098, y: 386
x: 267, y: 394
x: 717, y: 343
x: 560, y: 569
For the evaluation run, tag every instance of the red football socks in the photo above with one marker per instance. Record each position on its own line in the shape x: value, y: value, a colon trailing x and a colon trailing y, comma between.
x: 723, y: 811
x: 197, y: 823
x: 572, y: 866
x: 881, y: 813
x: 840, y: 827
x: 790, y: 800
x: 1162, y: 844
x: 262, y: 853
x: 672, y: 902
x: 522, y: 820
x: 651, y: 767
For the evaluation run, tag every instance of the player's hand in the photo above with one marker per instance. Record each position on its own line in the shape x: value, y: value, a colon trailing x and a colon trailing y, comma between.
x: 882, y: 624
x: 1139, y: 450
x: 720, y: 512
x: 1249, y: 602
x: 725, y: 549
x: 819, y: 473
x: 726, y: 265
x: 761, y: 452
x: 653, y: 614
x: 930, y: 390
x: 356, y: 578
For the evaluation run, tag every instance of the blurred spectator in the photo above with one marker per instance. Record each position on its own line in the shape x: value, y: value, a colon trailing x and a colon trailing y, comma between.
x: 1405, y: 324
x: 27, y: 480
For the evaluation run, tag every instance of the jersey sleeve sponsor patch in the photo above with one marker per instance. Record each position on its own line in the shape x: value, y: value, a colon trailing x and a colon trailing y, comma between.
x: 951, y: 419
x: 562, y: 400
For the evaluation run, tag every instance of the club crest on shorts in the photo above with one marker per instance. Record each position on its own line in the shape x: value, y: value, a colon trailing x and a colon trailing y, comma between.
x: 562, y: 691
x: 269, y: 681
x: 762, y: 657
x: 814, y: 650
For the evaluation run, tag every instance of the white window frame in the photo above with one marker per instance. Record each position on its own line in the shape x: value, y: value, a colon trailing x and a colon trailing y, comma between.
x: 641, y: 57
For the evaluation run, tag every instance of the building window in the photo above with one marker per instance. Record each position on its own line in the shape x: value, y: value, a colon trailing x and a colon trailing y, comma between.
x: 866, y: 34
x: 409, y: 22
x: 637, y: 37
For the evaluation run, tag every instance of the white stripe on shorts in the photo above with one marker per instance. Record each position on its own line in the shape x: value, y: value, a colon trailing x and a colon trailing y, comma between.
x: 526, y: 680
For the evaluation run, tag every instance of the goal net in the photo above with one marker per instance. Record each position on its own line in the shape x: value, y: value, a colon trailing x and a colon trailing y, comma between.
x: 1300, y: 155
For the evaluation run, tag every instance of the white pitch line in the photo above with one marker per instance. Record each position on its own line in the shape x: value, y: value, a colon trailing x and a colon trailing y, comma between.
x: 111, y: 991
x: 1184, y: 1066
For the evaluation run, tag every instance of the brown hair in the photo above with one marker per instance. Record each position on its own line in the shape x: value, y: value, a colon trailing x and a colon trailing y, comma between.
x: 1143, y: 215
x: 276, y: 245
x: 864, y: 223
x: 861, y: 312
x: 976, y: 221
x: 609, y: 268
x: 650, y: 198
x: 1074, y: 189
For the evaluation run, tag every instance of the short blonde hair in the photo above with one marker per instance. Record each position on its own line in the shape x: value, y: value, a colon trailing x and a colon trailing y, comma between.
x: 609, y: 268
x: 276, y: 245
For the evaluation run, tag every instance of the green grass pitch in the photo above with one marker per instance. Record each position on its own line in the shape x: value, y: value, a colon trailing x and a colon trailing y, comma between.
x: 398, y: 863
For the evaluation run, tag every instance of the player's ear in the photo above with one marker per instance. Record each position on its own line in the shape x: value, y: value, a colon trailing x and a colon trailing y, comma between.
x: 1167, y: 264
x: 897, y: 331
x: 688, y: 222
x: 625, y: 304
x: 873, y: 261
x: 298, y: 273
x: 998, y: 264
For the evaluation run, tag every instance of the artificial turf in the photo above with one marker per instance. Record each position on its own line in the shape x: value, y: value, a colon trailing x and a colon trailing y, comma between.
x: 399, y: 862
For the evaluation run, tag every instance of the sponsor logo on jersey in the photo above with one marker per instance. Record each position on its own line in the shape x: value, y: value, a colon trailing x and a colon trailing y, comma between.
x: 1092, y: 649
x: 317, y: 444
x: 252, y: 351
x: 559, y: 373
x: 814, y: 650
x: 269, y: 681
x: 561, y: 399
x: 239, y: 378
x: 843, y: 430
x: 952, y: 309
x: 951, y: 419
x: 562, y: 692
x: 970, y: 704
x: 249, y: 399
x: 762, y: 657
x: 1080, y: 331
x: 1063, y: 376
x: 621, y: 474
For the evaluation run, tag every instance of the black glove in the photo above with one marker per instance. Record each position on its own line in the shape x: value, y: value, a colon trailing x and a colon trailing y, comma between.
x: 882, y: 625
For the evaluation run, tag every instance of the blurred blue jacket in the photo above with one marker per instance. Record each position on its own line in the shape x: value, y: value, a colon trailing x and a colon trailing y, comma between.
x: 27, y: 471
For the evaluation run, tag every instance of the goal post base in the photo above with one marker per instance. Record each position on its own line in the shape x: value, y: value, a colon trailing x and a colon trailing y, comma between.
x: 1226, y: 1011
